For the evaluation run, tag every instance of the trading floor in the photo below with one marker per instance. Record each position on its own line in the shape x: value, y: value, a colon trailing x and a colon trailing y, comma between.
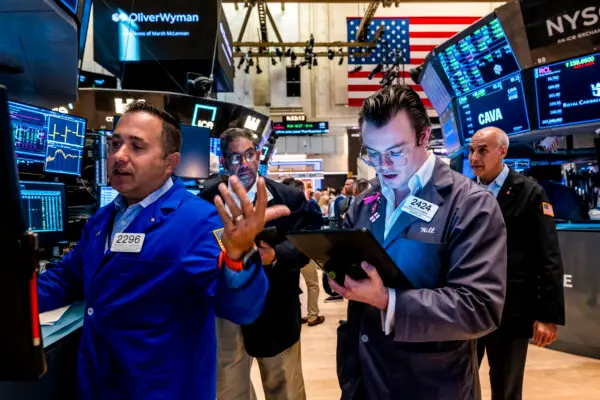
x: 550, y: 375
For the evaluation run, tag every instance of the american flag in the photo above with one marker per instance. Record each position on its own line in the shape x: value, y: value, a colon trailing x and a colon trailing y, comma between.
x: 413, y: 37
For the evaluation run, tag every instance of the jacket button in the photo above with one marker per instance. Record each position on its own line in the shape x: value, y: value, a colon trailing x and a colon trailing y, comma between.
x: 90, y: 311
x: 364, y: 338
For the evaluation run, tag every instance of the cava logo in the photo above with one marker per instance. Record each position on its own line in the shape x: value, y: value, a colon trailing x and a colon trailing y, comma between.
x: 587, y: 17
x: 489, y: 117
x: 596, y: 89
x: 252, y: 123
x: 154, y: 18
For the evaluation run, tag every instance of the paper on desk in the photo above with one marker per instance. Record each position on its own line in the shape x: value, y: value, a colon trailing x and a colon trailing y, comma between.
x: 51, y: 317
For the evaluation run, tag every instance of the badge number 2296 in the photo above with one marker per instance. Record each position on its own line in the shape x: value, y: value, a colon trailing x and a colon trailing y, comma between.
x: 128, y: 242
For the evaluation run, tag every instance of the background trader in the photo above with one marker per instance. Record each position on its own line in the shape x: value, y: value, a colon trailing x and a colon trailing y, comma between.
x: 418, y: 343
x: 148, y: 266
x: 534, y: 294
x: 274, y: 338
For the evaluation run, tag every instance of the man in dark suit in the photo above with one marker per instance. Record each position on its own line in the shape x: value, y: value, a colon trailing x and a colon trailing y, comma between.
x: 274, y: 338
x: 534, y: 296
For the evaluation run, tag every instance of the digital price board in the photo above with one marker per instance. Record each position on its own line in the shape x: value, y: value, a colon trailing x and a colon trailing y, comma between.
x: 301, y: 128
x: 568, y: 92
x: 434, y: 88
x: 452, y: 138
x: 479, y: 55
x: 500, y: 104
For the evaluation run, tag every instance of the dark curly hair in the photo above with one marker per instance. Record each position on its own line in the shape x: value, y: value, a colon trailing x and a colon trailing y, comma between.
x: 171, y: 133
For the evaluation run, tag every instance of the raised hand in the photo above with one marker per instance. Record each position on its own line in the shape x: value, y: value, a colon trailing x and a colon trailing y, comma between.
x: 243, y: 223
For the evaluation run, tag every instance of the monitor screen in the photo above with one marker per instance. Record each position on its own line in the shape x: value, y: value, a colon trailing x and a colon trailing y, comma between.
x: 195, y: 152
x: 568, y: 92
x: 501, y: 104
x: 435, y: 89
x: 450, y: 131
x: 215, y: 151
x: 47, y: 137
x: 107, y: 195
x: 478, y: 56
x: 518, y: 164
x: 44, y: 206
x: 301, y: 128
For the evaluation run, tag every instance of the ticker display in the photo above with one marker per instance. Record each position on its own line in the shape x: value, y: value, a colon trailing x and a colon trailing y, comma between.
x: 501, y: 104
x: 478, y: 56
x: 301, y: 128
x: 450, y: 131
x: 568, y: 92
x: 435, y: 89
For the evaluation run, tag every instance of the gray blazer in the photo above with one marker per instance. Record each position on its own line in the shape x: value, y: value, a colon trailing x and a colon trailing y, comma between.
x: 457, y: 265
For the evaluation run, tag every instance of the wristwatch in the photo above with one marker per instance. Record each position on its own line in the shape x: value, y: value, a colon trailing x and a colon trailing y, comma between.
x: 237, y: 265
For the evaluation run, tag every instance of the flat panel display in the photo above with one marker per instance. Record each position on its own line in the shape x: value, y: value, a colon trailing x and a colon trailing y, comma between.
x: 215, y: 151
x: 44, y: 206
x: 568, y: 92
x: 501, y: 104
x: 478, y: 56
x: 301, y: 128
x: 435, y: 89
x: 452, y: 137
x: 195, y: 152
x: 47, y: 137
x: 107, y: 195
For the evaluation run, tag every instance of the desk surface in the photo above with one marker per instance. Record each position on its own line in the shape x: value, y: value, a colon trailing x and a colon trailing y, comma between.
x: 70, y: 321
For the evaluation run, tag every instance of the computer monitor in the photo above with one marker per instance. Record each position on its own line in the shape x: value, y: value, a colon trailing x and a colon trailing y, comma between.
x: 45, y: 211
x: 195, y: 152
x: 49, y: 138
x: 215, y: 149
x: 107, y: 195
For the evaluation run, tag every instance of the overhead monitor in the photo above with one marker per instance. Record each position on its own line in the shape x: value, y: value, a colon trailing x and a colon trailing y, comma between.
x: 568, y: 92
x: 195, y: 152
x: 44, y: 206
x: 501, y: 104
x: 434, y: 88
x: 301, y: 128
x: 479, y: 55
x: 107, y: 195
x: 518, y: 164
x: 49, y: 138
x: 448, y: 122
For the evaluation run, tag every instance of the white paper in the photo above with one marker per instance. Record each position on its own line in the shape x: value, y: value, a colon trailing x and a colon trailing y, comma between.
x: 51, y: 317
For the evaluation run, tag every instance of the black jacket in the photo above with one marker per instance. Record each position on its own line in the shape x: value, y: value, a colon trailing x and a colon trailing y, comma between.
x: 535, y: 272
x: 278, y: 326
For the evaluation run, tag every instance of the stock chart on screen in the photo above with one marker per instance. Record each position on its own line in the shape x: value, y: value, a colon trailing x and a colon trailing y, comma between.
x: 49, y: 137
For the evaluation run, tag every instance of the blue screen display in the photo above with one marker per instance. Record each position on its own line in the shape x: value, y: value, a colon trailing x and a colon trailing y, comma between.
x: 195, y: 152
x: 435, y: 89
x: 568, y: 92
x: 501, y: 104
x: 44, y: 208
x: 478, y: 56
x: 107, y: 195
x: 450, y: 131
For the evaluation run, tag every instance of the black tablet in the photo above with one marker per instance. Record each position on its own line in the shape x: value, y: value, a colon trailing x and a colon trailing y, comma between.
x: 339, y: 252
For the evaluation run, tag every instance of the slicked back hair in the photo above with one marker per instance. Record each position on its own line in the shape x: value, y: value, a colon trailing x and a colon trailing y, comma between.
x: 379, y: 108
x: 171, y: 133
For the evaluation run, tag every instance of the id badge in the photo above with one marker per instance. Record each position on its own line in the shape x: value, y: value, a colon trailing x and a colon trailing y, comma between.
x: 420, y: 208
x: 128, y: 242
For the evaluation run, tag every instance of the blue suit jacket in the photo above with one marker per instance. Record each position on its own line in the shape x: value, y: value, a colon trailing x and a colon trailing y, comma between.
x: 149, y: 329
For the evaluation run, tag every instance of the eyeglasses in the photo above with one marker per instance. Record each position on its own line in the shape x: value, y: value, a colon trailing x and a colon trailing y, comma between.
x: 236, y: 158
x: 398, y: 158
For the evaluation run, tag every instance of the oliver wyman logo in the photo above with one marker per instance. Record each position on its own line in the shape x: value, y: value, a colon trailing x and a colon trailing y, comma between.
x: 153, y: 18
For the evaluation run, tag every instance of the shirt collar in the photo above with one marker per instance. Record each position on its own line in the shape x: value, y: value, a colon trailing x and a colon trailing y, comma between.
x: 500, y: 179
x: 251, y: 192
x: 151, y: 198
x: 419, y: 179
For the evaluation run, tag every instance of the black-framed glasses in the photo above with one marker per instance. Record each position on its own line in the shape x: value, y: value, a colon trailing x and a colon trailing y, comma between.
x: 397, y: 158
x: 236, y: 158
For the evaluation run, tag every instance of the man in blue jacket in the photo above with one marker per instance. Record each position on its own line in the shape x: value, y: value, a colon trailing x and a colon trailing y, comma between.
x: 154, y: 267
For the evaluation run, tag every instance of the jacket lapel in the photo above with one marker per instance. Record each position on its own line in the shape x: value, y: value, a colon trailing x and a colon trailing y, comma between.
x: 509, y: 191
x: 378, y: 225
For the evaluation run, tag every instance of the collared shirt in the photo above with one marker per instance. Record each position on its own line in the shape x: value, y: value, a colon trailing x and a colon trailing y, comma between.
x: 251, y: 192
x: 126, y: 215
x: 415, y: 183
x: 495, y: 186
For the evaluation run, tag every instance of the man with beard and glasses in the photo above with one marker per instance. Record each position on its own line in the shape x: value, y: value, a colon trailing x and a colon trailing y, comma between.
x: 447, y: 236
x: 154, y: 267
x: 274, y: 338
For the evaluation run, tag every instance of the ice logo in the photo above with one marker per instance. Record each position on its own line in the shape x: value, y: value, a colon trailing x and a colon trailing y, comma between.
x: 116, y: 17
x: 596, y: 89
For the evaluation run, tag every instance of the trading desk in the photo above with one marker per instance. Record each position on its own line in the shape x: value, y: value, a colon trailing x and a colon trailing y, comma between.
x: 61, y: 343
x: 580, y: 250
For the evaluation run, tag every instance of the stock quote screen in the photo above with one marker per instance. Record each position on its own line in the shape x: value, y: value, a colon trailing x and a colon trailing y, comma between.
x: 568, y: 92
x: 450, y: 131
x: 435, y: 89
x: 49, y: 137
x: 500, y: 104
x: 44, y: 206
x: 301, y: 128
x: 478, y: 57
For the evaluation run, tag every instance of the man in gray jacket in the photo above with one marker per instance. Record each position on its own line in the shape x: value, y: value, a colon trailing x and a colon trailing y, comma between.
x: 448, y: 238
